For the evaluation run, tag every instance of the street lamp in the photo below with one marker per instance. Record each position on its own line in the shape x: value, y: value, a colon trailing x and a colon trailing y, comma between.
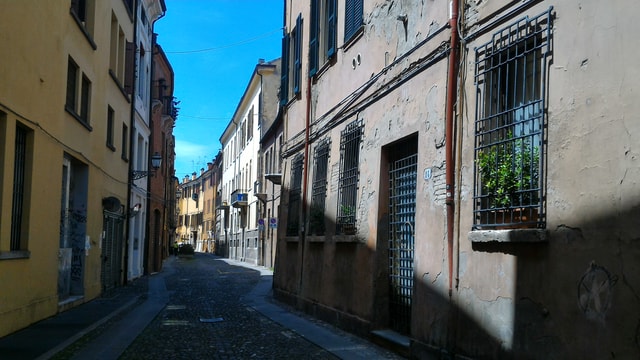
x: 156, y: 160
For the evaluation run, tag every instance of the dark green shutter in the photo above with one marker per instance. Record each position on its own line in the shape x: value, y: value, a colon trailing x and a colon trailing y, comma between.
x: 297, y: 70
x: 352, y: 18
x: 313, y: 37
x: 332, y: 33
x: 284, y: 78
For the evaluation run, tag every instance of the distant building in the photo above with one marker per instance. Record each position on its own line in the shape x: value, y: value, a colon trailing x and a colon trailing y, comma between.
x: 460, y: 179
x: 241, y: 161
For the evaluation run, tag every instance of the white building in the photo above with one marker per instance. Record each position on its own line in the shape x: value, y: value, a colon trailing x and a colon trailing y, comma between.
x: 240, y: 179
x: 146, y: 13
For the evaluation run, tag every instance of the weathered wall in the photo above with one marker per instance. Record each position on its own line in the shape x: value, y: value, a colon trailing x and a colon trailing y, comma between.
x: 575, y: 296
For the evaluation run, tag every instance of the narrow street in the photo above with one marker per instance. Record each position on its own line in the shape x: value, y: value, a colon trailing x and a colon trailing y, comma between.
x: 207, y: 307
x: 207, y: 318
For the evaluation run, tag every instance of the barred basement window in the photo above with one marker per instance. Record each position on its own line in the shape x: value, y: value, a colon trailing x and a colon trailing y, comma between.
x: 19, y: 201
x: 350, y: 140
x: 319, y: 188
x: 293, y: 218
x: 511, y: 80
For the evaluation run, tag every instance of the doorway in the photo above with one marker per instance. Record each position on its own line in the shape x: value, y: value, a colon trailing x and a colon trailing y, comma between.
x: 403, y: 161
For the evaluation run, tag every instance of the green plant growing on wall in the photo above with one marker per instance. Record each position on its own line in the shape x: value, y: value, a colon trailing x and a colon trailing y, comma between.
x: 507, y: 172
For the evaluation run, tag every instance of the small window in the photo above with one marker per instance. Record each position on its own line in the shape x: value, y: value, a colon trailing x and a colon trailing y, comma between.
x: 20, y: 201
x: 125, y: 142
x: 319, y: 189
x: 510, y: 77
x: 293, y: 218
x: 353, y: 20
x: 85, y: 99
x: 110, y: 120
x: 350, y: 140
x: 72, y: 85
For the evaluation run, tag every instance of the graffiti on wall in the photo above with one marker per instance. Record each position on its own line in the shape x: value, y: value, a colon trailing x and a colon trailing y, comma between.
x: 595, y: 291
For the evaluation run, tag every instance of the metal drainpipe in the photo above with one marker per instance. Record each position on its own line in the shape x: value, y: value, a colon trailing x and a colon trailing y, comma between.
x: 305, y: 181
x: 451, y: 99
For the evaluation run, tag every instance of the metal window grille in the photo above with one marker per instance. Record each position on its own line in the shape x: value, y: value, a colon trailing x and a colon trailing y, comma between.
x: 17, y: 210
x: 319, y: 188
x: 402, y: 210
x: 350, y: 140
x: 510, y: 78
x: 293, y: 218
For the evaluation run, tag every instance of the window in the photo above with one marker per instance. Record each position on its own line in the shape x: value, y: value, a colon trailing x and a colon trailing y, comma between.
x: 78, y: 108
x: 291, y: 63
x: 250, y: 124
x: 22, y: 156
x: 72, y: 85
x: 293, y: 219
x: 82, y: 12
x: 350, y: 140
x: 322, y: 37
x: 117, y: 55
x: 510, y: 77
x: 85, y: 99
x: 352, y: 18
x: 125, y: 142
x: 110, y: 119
x: 319, y: 189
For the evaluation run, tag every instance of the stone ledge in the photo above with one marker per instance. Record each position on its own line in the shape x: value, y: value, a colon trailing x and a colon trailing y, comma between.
x: 509, y: 236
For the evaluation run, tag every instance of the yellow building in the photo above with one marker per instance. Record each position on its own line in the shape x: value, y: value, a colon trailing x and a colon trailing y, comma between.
x: 65, y: 111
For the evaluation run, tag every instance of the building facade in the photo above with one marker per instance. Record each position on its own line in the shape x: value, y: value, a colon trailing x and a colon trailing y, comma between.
x: 162, y: 221
x: 65, y: 108
x: 241, y: 161
x: 440, y: 188
x: 146, y: 14
x: 190, y: 210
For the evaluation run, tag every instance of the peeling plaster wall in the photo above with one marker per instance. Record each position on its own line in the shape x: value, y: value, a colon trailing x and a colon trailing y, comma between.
x: 578, y: 294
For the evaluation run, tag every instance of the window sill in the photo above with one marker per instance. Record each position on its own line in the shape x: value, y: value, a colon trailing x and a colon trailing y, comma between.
x: 316, y: 238
x: 84, y: 30
x: 119, y: 85
x: 509, y: 236
x: 291, y: 239
x: 341, y: 238
x: 78, y: 118
x: 11, y: 255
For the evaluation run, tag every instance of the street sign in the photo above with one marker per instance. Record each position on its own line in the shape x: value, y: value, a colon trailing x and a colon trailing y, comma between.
x: 273, y: 223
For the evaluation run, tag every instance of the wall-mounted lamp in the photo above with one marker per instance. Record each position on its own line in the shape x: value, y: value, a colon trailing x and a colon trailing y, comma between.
x: 135, y: 210
x: 156, y: 161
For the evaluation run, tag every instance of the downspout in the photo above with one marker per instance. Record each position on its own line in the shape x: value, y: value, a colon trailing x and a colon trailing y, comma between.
x: 450, y: 166
x: 450, y: 163
x: 132, y: 123
x: 305, y: 181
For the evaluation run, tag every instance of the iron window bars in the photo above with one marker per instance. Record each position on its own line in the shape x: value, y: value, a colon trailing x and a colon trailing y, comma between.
x: 350, y: 139
x: 293, y: 218
x: 319, y: 188
x: 511, y: 79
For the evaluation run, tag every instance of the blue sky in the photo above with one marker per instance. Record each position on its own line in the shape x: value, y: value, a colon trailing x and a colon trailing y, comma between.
x: 213, y: 47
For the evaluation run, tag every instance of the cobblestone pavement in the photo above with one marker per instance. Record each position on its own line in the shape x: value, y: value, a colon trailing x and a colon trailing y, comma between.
x: 206, y: 318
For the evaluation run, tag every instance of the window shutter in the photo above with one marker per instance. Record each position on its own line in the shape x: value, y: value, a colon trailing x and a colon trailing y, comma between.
x: 352, y: 17
x: 332, y: 34
x: 297, y: 71
x: 284, y: 78
x: 129, y: 70
x: 313, y: 38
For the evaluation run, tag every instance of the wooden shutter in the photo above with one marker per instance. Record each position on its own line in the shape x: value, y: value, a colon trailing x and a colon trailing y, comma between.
x: 313, y: 37
x: 284, y: 77
x: 129, y: 70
